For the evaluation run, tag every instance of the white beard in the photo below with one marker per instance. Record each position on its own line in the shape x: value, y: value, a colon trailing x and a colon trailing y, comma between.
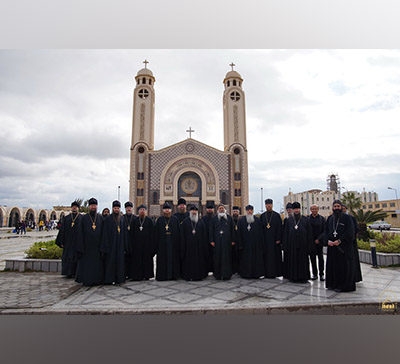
x: 250, y: 219
x: 222, y: 215
x: 194, y: 218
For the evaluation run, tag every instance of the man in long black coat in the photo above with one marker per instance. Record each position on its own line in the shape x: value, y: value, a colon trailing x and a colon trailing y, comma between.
x: 194, y: 247
x: 318, y: 226
x: 221, y: 233
x: 114, y: 246
x: 67, y: 238
x: 90, y: 269
x: 340, y: 267
x: 235, y: 237
x: 250, y: 243
x: 140, y: 264
x: 271, y: 223
x: 298, y: 243
x: 206, y: 219
x: 181, y: 214
x: 167, y: 246
x: 358, y: 274
x: 289, y: 212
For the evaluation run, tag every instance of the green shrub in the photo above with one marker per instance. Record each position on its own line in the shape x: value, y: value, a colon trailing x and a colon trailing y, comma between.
x: 44, y: 250
x: 385, y: 242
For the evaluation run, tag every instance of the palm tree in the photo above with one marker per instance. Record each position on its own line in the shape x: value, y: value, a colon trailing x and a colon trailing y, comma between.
x: 364, y: 218
x: 352, y: 202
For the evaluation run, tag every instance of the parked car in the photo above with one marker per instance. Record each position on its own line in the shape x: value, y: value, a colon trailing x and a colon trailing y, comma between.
x: 380, y: 225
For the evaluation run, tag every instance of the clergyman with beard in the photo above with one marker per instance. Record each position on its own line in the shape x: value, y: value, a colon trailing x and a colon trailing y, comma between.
x: 250, y: 245
x: 206, y: 219
x: 194, y: 249
x: 90, y: 269
x: 340, y: 266
x: 221, y: 233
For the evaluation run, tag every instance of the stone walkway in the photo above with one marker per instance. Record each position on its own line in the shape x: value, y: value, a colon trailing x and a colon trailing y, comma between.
x: 50, y: 293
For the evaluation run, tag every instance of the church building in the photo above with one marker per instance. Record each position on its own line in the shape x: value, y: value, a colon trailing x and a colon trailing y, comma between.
x: 190, y: 169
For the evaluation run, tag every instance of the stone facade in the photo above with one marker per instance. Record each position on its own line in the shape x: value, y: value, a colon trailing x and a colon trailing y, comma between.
x: 189, y: 168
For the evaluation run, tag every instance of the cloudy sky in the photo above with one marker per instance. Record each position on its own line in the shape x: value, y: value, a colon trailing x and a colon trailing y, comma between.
x: 66, y: 118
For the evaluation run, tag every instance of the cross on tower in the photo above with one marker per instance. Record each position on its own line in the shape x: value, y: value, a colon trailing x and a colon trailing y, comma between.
x: 232, y: 64
x: 190, y: 131
x: 145, y: 63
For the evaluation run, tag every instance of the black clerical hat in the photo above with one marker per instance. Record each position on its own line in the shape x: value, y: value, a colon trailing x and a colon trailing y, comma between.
x: 116, y: 203
x: 289, y: 205
x: 75, y: 203
x: 181, y: 201
x: 249, y: 207
x: 337, y: 201
x: 210, y: 205
x: 194, y: 207
x: 93, y: 201
x: 296, y: 205
x: 235, y: 208
x: 269, y: 201
x: 166, y: 205
x: 128, y: 204
x: 142, y: 207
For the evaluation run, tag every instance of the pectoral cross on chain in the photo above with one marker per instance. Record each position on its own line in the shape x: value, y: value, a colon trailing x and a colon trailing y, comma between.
x: 335, y: 234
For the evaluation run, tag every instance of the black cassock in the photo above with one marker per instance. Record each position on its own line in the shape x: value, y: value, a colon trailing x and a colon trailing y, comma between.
x: 141, y: 250
x: 194, y: 250
x: 235, y: 248
x: 167, y: 247
x: 358, y: 274
x: 340, y: 265
x: 210, y: 257
x: 114, y: 245
x: 297, y: 244
x: 251, y: 251
x: 271, y: 223
x: 90, y: 269
x: 181, y: 216
x: 68, y: 237
x: 221, y: 233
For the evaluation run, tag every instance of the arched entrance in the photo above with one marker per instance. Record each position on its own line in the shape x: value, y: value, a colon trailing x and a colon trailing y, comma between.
x: 42, y: 215
x: 190, y: 187
x: 14, y: 217
x: 1, y: 217
x: 53, y: 215
x: 29, y: 216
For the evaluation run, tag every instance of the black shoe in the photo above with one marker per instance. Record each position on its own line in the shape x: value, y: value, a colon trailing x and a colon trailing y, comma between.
x: 322, y: 278
x: 314, y: 278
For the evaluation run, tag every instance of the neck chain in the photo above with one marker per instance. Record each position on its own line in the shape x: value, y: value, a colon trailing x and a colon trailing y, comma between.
x: 93, y: 221
x: 116, y: 220
x: 235, y: 222
x: 167, y: 224
x: 296, y: 225
x: 268, y: 221
x: 141, y: 223
x: 73, y: 219
x: 128, y: 225
x: 193, y: 227
x: 335, y: 228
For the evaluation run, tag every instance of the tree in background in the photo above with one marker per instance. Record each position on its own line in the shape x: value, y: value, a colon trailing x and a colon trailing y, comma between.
x: 352, y: 202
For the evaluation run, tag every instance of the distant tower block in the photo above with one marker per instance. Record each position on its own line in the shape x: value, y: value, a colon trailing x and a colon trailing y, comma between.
x: 333, y: 182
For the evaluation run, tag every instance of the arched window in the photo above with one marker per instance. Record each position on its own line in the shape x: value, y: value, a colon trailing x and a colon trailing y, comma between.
x: 224, y: 198
x: 155, y: 198
x: 144, y: 81
x: 234, y: 82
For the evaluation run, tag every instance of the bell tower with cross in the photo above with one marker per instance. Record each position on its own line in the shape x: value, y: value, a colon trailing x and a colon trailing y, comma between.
x: 235, y: 136
x: 142, y: 134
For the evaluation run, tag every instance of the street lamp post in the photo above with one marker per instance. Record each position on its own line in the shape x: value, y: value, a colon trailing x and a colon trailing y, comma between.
x: 262, y: 198
x: 119, y: 188
x: 396, y: 203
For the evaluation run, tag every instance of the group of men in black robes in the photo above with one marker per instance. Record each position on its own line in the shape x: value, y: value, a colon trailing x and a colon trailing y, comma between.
x: 110, y: 248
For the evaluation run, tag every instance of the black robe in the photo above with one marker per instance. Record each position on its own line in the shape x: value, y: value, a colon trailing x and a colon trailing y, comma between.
x: 181, y: 216
x: 167, y: 246
x: 297, y: 245
x: 194, y: 250
x: 251, y: 250
x: 210, y: 257
x: 356, y: 255
x: 90, y: 269
x: 235, y: 248
x: 114, y: 246
x: 141, y: 250
x: 273, y: 252
x: 67, y: 238
x: 340, y: 266
x: 221, y: 233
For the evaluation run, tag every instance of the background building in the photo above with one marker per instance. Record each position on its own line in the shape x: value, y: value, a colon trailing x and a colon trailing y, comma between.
x: 391, y: 207
x: 189, y: 168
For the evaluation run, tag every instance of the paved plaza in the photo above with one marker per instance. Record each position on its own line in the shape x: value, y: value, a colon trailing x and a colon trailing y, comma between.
x: 45, y: 293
